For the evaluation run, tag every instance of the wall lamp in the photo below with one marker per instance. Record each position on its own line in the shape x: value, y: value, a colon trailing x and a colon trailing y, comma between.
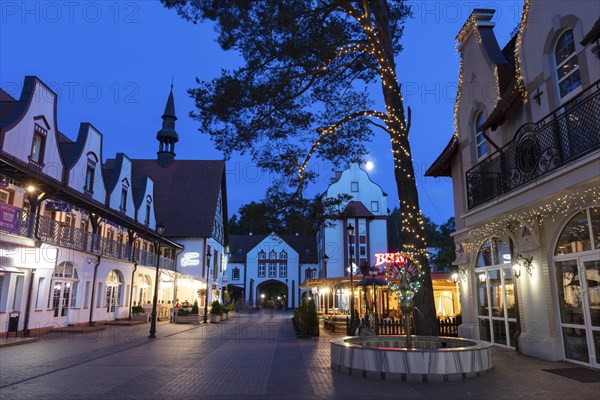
x: 524, y: 262
x: 460, y: 273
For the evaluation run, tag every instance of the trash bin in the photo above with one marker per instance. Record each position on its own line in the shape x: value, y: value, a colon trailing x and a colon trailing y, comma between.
x: 13, y: 323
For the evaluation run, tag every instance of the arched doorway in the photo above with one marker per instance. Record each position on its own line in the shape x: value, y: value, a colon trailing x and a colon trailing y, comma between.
x: 63, y: 290
x: 114, y: 295
x: 577, y: 271
x: 272, y: 290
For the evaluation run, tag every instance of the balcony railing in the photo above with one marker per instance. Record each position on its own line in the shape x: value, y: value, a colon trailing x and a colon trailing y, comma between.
x: 59, y: 234
x: 565, y: 135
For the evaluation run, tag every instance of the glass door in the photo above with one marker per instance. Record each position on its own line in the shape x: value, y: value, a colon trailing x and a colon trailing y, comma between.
x: 578, y: 284
x: 61, y: 296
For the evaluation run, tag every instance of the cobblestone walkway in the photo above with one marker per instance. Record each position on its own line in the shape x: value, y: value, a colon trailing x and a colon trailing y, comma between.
x: 250, y: 357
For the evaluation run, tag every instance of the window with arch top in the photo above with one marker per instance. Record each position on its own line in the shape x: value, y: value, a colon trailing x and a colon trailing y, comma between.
x: 480, y: 141
x: 567, y: 64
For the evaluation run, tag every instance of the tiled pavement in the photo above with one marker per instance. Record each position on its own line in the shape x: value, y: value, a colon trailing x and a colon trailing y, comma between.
x: 251, y: 357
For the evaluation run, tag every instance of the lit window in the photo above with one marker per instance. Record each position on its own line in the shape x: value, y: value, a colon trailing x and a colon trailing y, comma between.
x: 480, y: 141
x: 567, y: 64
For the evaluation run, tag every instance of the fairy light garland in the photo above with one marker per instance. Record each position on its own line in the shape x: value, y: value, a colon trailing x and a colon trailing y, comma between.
x: 561, y: 206
x: 520, y: 85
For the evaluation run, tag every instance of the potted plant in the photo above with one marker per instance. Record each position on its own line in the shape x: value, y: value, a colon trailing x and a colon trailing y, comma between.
x: 231, y: 308
x: 215, y: 312
x: 139, y: 314
x: 192, y: 316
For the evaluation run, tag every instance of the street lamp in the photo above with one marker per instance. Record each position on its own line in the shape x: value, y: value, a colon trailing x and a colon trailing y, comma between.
x: 350, y: 231
x: 206, y: 295
x: 373, y: 272
x: 160, y: 229
x: 325, y: 259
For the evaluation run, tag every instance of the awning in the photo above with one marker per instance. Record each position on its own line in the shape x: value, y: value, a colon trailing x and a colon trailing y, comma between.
x: 14, y: 270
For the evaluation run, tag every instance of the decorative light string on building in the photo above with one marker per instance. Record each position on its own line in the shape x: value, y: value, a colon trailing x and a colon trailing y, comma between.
x: 561, y: 206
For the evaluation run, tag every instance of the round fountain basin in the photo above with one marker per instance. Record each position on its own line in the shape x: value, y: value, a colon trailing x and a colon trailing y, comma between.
x: 430, y: 358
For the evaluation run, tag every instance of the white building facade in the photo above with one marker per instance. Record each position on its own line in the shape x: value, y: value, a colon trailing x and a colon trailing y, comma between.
x: 366, y: 211
x: 525, y: 165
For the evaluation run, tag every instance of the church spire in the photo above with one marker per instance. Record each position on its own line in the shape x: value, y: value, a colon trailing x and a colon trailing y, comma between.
x: 167, y: 137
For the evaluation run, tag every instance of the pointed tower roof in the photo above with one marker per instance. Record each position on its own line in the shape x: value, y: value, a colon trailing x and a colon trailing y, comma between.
x: 167, y: 137
x: 168, y: 126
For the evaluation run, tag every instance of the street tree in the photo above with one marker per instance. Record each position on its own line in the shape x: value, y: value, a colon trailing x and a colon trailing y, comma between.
x: 304, y: 93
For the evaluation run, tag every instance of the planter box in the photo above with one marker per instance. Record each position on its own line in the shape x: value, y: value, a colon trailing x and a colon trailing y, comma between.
x: 231, y: 314
x: 140, y: 317
x: 188, y: 319
x: 214, y: 318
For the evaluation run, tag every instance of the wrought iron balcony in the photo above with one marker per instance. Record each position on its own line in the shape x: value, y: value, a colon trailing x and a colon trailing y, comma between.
x: 568, y: 133
x: 56, y: 233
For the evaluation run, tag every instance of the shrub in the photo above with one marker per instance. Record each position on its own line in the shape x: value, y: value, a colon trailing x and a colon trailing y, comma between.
x: 215, y: 308
x: 195, y: 309
x: 137, y: 309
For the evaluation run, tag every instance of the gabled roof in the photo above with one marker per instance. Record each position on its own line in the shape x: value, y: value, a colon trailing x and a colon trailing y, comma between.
x: 7, y: 104
x: 357, y: 209
x: 304, y: 245
x: 185, y: 194
x: 442, y: 166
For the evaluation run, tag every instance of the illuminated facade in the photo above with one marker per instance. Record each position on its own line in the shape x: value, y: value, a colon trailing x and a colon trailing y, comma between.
x: 78, y: 235
x: 525, y: 162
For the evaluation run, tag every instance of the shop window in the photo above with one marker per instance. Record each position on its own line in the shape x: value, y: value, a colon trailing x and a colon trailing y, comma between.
x: 5, y: 196
x: 575, y: 237
x: 567, y: 64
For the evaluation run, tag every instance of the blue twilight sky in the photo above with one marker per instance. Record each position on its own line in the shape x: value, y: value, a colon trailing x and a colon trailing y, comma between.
x: 111, y: 64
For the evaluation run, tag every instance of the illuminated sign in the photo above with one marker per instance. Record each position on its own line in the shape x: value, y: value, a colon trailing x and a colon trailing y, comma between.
x: 389, y: 258
x: 191, y: 258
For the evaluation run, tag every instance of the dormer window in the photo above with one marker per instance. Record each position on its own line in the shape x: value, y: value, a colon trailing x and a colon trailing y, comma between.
x: 124, y: 191
x: 283, y: 255
x: 38, y: 145
x: 272, y: 255
x: 90, y: 173
x: 262, y: 255
x: 148, y: 207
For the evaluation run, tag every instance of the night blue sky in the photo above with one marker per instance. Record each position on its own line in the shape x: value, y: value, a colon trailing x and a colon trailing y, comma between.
x: 111, y: 64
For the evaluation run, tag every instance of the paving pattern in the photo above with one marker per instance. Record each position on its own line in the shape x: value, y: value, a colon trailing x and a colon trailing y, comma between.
x: 250, y: 357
